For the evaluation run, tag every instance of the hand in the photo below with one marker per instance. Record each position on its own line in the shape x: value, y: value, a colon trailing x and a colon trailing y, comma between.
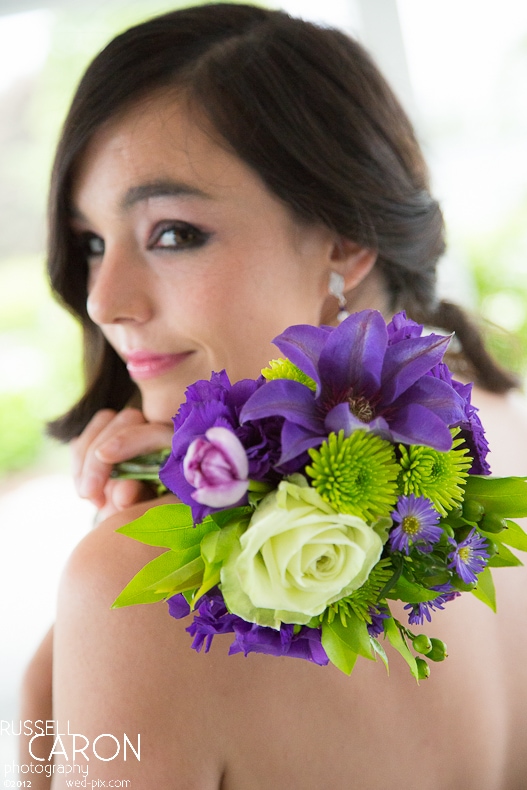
x: 110, y: 438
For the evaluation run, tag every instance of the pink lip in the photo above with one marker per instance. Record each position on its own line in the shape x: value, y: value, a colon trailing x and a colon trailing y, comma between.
x: 147, y: 365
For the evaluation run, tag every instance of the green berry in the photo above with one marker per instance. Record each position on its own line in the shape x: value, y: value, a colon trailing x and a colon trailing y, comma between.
x: 438, y: 651
x: 492, y: 548
x: 492, y: 523
x: 473, y: 510
x: 422, y: 644
x: 460, y: 585
x: 423, y: 670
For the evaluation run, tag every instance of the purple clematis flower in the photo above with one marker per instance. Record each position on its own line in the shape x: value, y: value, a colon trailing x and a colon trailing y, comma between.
x: 368, y: 376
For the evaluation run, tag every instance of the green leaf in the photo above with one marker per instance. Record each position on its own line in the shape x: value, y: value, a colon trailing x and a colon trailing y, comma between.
x: 215, y: 548
x: 379, y: 649
x: 504, y: 558
x: 398, y: 643
x: 356, y: 634
x: 338, y: 651
x: 504, y: 496
x: 211, y: 574
x: 352, y: 637
x: 484, y: 589
x: 409, y: 592
x: 223, y: 517
x: 184, y: 578
x: 159, y: 579
x: 514, y: 536
x: 168, y: 526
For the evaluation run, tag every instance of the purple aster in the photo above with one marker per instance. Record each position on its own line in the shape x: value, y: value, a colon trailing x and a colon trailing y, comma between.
x: 469, y: 557
x: 419, y: 611
x: 472, y: 430
x: 209, y: 405
x: 212, y: 618
x: 378, y: 616
x: 417, y: 525
x: 364, y: 379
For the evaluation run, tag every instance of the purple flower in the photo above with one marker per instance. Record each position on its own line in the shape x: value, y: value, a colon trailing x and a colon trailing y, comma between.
x: 469, y: 557
x: 305, y: 644
x: 212, y: 618
x: 402, y: 328
x: 419, y: 611
x: 211, y: 405
x: 417, y: 525
x: 178, y: 606
x: 378, y: 616
x: 216, y: 466
x: 471, y: 428
x: 365, y: 379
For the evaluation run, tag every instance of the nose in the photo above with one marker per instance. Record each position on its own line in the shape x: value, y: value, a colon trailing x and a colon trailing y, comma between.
x: 118, y: 288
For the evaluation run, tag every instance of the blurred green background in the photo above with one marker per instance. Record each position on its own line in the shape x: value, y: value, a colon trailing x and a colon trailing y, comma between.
x: 40, y: 359
x: 39, y: 343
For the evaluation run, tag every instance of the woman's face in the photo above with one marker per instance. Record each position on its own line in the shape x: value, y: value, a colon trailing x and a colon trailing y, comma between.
x: 194, y: 266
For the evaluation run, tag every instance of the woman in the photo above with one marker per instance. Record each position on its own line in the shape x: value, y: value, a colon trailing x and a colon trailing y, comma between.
x: 217, y: 166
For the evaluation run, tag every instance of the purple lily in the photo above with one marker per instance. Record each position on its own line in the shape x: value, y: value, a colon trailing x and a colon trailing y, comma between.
x: 368, y: 376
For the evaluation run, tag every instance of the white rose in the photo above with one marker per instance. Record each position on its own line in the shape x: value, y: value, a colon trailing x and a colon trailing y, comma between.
x: 296, y: 557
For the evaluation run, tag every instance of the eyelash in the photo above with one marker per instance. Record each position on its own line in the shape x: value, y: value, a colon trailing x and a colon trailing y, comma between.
x: 189, y: 237
x: 85, y: 241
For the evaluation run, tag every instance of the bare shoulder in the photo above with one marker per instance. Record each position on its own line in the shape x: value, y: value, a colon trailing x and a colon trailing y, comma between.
x: 126, y: 673
x: 505, y: 420
x: 107, y: 553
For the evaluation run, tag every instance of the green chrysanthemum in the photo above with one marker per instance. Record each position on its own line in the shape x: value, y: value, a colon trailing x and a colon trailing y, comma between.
x: 284, y: 369
x: 362, y: 601
x: 436, y: 475
x: 356, y: 474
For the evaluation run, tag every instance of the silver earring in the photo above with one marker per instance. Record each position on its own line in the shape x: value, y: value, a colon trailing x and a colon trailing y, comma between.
x: 336, y: 289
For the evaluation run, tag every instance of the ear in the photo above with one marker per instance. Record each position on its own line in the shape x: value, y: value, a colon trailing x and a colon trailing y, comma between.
x: 352, y: 261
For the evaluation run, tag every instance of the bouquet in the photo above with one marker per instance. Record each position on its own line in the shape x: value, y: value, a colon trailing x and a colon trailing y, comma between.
x: 351, y: 474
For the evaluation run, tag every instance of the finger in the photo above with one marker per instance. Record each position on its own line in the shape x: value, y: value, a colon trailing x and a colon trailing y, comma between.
x: 134, y: 440
x: 80, y: 445
x: 126, y: 493
x: 95, y: 473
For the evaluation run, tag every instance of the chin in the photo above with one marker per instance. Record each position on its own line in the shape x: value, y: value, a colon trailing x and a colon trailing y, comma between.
x: 161, y: 408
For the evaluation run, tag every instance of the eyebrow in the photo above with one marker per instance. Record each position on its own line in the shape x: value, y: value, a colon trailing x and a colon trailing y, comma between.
x: 152, y: 189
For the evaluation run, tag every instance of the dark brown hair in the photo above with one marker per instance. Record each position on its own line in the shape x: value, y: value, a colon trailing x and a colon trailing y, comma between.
x: 308, y: 110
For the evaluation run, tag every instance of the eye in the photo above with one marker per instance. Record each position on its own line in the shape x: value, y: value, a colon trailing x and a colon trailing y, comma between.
x: 90, y: 245
x: 177, y: 236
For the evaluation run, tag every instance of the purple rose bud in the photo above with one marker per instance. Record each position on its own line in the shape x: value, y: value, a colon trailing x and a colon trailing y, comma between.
x: 216, y: 466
